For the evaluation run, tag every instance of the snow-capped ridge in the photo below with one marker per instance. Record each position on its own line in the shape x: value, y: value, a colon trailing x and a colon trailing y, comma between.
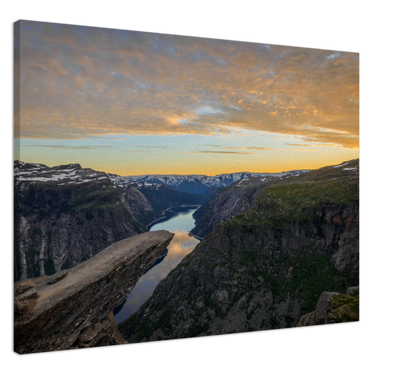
x: 64, y: 174
x: 196, y: 183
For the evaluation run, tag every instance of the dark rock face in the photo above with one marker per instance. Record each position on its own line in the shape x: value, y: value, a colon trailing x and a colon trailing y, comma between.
x: 222, y: 205
x: 65, y: 215
x: 264, y: 268
x: 163, y: 197
x: 73, y: 308
x: 333, y: 307
x: 225, y: 203
x: 323, y: 308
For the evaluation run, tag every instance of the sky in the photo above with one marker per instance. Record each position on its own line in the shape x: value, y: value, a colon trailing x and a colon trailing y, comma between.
x: 134, y: 103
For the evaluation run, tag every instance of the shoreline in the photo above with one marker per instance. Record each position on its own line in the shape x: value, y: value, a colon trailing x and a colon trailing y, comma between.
x: 166, y: 210
x: 195, y: 236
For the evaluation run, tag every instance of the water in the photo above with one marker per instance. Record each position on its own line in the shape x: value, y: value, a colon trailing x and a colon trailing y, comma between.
x: 179, y: 222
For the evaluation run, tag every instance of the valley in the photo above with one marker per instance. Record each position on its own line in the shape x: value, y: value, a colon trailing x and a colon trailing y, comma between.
x: 270, y: 246
x: 264, y: 268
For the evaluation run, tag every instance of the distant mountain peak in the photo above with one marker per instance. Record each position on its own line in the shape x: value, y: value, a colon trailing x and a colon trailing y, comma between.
x: 196, y: 183
x: 62, y: 174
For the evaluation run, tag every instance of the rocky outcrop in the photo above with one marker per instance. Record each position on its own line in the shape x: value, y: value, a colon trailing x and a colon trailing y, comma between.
x: 66, y: 214
x: 73, y: 308
x: 333, y: 307
x: 224, y: 204
x: 264, y: 268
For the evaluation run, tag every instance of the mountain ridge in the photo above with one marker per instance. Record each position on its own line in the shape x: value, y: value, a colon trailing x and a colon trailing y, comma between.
x: 198, y: 184
x: 264, y: 268
x: 64, y: 215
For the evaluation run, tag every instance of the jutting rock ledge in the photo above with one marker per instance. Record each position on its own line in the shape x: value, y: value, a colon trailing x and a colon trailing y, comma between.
x: 73, y: 308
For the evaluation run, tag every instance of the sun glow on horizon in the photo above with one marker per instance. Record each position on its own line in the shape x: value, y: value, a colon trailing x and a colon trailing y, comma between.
x: 134, y: 103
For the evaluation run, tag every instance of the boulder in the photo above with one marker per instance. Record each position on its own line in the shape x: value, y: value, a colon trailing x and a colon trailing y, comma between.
x: 307, y: 320
x: 323, y: 308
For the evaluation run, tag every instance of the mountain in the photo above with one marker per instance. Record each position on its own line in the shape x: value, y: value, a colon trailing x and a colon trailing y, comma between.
x: 64, y: 215
x: 265, y: 267
x: 228, y: 202
x: 197, y: 184
x: 160, y: 196
x: 73, y: 308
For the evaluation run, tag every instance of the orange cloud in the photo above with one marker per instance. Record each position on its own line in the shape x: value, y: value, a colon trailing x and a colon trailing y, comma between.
x: 80, y: 82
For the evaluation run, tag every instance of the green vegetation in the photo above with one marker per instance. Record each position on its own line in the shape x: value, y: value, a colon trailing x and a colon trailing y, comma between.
x: 290, y: 204
x: 289, y: 321
x: 310, y: 276
x: 165, y: 197
x: 33, y: 266
x: 36, y: 231
x: 274, y: 324
x: 345, y: 308
x: 49, y: 267
x: 65, y: 265
x: 276, y: 258
x: 281, y: 205
x: 144, y: 329
x: 93, y: 198
x: 197, y: 330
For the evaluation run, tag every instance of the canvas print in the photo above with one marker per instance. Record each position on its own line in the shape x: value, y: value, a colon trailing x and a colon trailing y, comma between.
x: 170, y: 187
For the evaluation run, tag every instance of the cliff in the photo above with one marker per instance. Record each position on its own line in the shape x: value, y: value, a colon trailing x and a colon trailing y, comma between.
x: 163, y: 197
x: 222, y: 205
x: 66, y: 214
x: 73, y: 308
x: 225, y: 203
x: 264, y: 268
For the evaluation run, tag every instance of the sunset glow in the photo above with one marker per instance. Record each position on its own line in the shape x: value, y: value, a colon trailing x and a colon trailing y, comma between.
x: 135, y: 103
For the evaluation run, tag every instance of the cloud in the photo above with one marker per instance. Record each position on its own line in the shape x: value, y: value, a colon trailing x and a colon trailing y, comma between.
x: 300, y: 145
x: 253, y: 148
x: 150, y: 146
x: 224, y: 152
x: 80, y: 147
x: 85, y: 82
x: 261, y: 148
x: 138, y: 151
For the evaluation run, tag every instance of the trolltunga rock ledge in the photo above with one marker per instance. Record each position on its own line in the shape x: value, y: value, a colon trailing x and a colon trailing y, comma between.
x: 73, y: 308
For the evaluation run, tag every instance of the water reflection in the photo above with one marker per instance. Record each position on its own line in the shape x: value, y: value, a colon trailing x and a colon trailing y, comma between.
x: 180, y: 222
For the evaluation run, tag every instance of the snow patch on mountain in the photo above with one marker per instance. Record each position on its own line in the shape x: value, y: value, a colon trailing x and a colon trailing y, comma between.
x: 195, y: 183
x: 64, y: 174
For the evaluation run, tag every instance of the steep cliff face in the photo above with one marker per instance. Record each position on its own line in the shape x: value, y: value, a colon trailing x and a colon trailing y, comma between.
x: 264, y: 268
x: 66, y: 214
x: 163, y: 197
x: 73, y: 308
x: 223, y: 204
x: 226, y: 203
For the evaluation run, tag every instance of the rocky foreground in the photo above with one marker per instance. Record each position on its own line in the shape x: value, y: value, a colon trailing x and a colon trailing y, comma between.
x: 73, y: 308
x: 334, y: 307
